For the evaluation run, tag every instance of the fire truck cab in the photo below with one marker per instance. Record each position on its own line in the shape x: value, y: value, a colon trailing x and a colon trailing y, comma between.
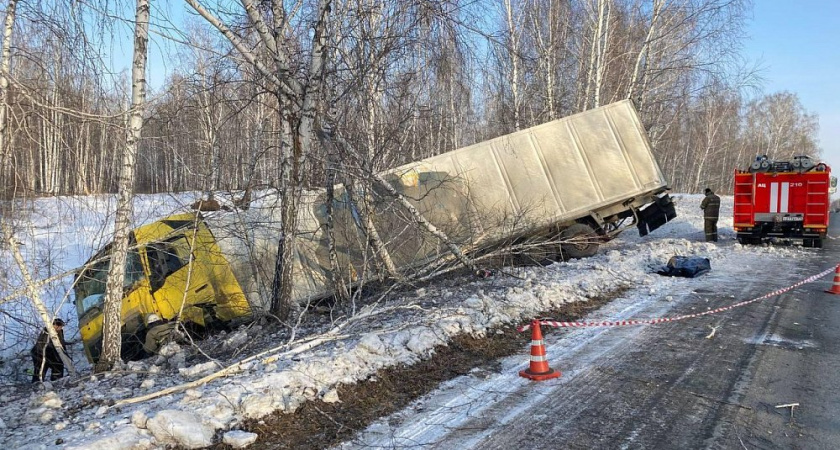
x: 783, y: 199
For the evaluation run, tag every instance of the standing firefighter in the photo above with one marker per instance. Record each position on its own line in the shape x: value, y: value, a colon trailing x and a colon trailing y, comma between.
x: 45, y: 356
x: 711, y: 210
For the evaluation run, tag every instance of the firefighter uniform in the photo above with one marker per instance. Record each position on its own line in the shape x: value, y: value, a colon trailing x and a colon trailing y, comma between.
x: 711, y: 211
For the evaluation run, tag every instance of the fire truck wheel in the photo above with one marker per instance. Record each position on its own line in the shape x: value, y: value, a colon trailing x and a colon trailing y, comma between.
x: 582, y: 241
x: 817, y: 243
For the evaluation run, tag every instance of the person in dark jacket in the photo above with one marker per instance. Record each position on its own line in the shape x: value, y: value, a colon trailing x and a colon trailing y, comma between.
x: 45, y: 356
x: 711, y: 211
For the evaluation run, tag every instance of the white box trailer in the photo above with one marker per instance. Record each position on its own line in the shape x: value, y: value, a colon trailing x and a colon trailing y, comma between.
x: 583, y: 174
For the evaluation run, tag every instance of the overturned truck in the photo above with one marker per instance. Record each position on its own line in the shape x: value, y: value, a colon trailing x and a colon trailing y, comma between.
x: 561, y: 187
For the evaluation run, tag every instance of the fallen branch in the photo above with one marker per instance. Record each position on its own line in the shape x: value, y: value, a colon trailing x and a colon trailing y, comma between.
x: 789, y: 405
x: 20, y: 292
x: 331, y: 335
x: 712, y: 334
x: 228, y: 370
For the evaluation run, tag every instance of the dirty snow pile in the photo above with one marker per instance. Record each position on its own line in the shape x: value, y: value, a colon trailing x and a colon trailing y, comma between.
x: 91, y: 412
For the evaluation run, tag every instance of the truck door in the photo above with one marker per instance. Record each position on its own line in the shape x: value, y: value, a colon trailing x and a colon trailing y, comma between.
x: 176, y: 278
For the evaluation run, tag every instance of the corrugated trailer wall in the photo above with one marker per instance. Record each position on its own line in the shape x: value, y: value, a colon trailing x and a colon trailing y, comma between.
x: 509, y: 186
x: 552, y: 172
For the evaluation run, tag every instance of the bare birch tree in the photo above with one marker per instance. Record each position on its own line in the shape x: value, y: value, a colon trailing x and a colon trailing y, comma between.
x: 780, y: 127
x: 5, y: 70
x: 111, y: 337
x: 549, y: 22
x: 513, y: 36
x: 296, y: 99
x: 35, y: 298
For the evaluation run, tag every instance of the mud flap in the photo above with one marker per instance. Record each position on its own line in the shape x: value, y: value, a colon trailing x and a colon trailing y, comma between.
x: 655, y: 215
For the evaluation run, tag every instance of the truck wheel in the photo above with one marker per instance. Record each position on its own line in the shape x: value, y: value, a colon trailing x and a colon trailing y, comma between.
x: 812, y: 243
x: 582, y: 241
x: 744, y: 241
x: 542, y: 255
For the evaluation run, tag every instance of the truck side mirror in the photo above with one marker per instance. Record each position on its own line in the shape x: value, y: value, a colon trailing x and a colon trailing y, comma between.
x: 833, y: 185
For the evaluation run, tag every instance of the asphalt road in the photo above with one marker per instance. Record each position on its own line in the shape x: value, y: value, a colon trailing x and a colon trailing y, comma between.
x: 664, y: 386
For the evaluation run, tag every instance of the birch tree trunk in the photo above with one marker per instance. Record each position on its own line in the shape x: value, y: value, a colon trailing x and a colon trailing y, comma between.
x: 300, y: 140
x: 111, y: 338
x: 210, y: 118
x: 5, y: 67
x: 545, y: 42
x: 297, y: 108
x: 363, y: 207
x: 331, y: 175
x: 35, y: 298
x: 513, y: 51
x: 594, y: 56
x: 605, y: 11
x: 641, y: 64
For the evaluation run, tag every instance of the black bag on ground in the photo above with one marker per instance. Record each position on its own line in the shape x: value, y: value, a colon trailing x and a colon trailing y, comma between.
x: 686, y: 266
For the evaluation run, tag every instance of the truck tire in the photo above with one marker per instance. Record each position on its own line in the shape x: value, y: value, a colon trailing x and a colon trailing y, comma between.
x: 540, y: 255
x: 584, y: 241
x: 812, y: 243
x: 749, y: 240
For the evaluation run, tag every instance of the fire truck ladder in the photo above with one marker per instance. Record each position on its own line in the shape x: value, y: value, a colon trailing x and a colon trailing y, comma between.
x: 743, y: 200
x: 816, y: 208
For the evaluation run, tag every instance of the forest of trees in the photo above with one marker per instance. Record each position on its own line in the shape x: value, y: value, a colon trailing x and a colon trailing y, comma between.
x: 401, y: 80
x: 297, y: 94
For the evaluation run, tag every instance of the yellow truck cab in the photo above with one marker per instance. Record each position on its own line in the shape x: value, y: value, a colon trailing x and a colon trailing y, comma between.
x: 174, y: 268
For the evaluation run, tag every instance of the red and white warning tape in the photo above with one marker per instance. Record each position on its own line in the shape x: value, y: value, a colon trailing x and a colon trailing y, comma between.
x: 621, y: 323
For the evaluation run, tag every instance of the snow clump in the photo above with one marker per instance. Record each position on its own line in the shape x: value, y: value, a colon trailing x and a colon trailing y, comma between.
x: 180, y: 428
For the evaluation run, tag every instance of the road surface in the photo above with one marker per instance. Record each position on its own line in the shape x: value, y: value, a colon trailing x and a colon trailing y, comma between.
x: 676, y: 385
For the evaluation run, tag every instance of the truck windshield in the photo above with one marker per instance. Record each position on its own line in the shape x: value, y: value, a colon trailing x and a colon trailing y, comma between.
x: 90, y: 284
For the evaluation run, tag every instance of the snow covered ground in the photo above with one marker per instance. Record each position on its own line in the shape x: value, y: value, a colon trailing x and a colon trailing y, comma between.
x: 93, y: 413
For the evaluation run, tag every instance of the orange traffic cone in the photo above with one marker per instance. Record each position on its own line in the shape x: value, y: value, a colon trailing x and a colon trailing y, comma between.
x: 538, y: 370
x: 835, y: 288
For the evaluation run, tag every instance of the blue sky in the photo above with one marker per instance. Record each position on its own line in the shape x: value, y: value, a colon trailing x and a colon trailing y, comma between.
x: 798, y: 46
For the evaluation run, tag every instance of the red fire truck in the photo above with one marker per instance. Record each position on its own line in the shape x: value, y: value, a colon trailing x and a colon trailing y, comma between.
x: 787, y: 199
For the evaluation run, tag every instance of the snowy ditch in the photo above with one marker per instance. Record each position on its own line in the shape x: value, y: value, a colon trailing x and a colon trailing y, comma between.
x: 97, y: 412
